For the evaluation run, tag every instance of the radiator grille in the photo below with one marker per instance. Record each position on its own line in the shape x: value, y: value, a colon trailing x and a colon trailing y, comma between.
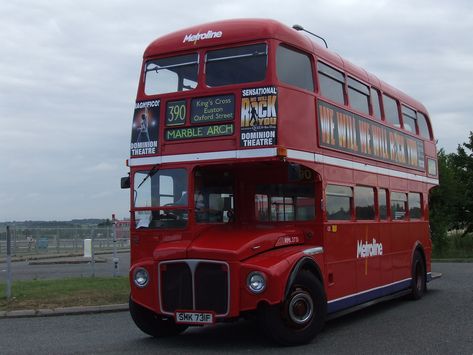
x: 194, y: 285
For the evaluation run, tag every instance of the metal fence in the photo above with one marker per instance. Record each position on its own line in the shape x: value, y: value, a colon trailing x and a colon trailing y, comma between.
x: 30, y: 241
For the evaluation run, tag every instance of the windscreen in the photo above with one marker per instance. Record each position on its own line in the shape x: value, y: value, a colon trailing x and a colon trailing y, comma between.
x: 160, y: 198
x: 236, y: 65
x: 171, y: 74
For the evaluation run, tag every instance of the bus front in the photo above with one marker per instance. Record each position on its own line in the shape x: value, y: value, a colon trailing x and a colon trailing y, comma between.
x: 219, y: 215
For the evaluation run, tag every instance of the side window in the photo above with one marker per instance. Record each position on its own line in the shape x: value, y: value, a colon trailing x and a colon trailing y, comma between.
x: 431, y: 167
x: 382, y: 204
x: 339, y: 198
x: 294, y: 68
x: 364, y: 203
x: 398, y: 205
x: 284, y: 202
x: 375, y: 103
x: 415, y: 207
x: 358, y: 96
x: 423, y: 127
x: 391, y: 111
x: 331, y: 83
x: 409, y: 119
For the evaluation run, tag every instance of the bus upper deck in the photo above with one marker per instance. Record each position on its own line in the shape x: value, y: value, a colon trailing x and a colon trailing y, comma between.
x: 243, y: 88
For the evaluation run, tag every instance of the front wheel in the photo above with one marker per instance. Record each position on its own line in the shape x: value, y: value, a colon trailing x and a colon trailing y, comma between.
x: 152, y: 324
x: 418, y: 285
x: 301, y: 316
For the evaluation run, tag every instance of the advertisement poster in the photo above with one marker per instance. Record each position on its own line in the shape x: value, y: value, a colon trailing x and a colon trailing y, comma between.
x: 258, y: 117
x: 342, y: 130
x: 145, y: 128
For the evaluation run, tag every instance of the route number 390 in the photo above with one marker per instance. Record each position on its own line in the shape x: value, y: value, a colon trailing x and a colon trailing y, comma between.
x: 176, y: 113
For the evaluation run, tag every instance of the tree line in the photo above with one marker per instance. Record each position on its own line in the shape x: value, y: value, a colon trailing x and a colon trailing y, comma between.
x: 451, y: 203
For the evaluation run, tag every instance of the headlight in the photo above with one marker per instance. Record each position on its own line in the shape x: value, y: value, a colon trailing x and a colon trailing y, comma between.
x: 141, y: 277
x: 256, y: 282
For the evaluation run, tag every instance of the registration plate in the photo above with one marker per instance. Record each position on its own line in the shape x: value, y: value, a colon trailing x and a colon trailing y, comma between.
x: 185, y: 317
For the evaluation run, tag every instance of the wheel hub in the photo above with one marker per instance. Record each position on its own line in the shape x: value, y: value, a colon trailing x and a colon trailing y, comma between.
x: 301, y: 308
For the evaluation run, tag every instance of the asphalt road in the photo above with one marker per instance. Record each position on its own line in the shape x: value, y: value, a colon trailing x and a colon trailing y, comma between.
x: 440, y: 323
x: 22, y: 270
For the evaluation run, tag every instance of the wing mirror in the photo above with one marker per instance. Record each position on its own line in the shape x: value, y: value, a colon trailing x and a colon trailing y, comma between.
x: 125, y: 182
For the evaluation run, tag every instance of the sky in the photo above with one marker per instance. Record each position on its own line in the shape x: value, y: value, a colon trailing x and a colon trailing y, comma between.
x: 69, y: 72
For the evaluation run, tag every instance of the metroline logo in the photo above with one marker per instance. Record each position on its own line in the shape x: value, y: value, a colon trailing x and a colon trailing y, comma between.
x: 368, y: 249
x: 201, y: 36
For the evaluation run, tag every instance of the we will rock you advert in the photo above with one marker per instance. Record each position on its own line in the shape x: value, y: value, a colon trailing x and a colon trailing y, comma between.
x: 145, y: 128
x: 259, y: 117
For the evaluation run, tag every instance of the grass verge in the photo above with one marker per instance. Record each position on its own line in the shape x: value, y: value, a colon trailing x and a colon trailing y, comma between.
x: 454, y: 246
x: 70, y: 292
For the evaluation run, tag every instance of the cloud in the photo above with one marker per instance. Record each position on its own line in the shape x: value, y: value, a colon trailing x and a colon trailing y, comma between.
x: 69, y: 72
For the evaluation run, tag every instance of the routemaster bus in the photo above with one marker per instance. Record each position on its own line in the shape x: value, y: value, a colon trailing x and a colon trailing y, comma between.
x: 272, y: 178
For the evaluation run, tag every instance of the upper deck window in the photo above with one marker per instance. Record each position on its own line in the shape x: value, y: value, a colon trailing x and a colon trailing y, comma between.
x: 391, y: 111
x: 375, y: 103
x: 423, y: 127
x: 294, y: 68
x: 359, y: 96
x: 409, y: 119
x: 171, y: 74
x: 237, y: 65
x: 331, y: 83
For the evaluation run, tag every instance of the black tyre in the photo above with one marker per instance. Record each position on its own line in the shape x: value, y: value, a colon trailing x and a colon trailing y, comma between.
x: 300, y: 317
x: 418, y: 286
x: 153, y: 324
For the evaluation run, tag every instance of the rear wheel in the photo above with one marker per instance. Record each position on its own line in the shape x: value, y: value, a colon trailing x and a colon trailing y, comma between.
x: 153, y: 324
x: 301, y: 316
x: 418, y: 285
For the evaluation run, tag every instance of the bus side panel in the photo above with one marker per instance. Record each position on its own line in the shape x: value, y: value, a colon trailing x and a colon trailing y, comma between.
x: 296, y: 120
x: 386, y: 263
x: 340, y: 253
x: 419, y: 231
x: 401, y: 250
x: 368, y: 268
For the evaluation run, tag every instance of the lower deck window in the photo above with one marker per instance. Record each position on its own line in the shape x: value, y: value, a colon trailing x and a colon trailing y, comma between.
x: 339, y: 201
x: 415, y: 209
x: 398, y: 205
x: 364, y: 203
x: 285, y: 202
x: 382, y: 204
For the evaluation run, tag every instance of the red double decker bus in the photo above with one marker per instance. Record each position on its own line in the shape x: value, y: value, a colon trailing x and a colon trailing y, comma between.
x: 270, y: 176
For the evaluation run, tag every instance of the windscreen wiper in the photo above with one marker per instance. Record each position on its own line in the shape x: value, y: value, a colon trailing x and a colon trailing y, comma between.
x: 151, y: 172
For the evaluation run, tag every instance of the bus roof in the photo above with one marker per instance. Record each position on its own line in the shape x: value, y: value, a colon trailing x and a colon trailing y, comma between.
x: 241, y: 30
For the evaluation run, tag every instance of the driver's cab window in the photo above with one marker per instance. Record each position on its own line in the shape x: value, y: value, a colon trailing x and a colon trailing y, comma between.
x: 160, y: 198
x: 213, y: 195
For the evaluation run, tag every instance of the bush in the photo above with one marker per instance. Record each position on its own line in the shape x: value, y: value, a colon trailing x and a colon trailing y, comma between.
x: 454, y: 245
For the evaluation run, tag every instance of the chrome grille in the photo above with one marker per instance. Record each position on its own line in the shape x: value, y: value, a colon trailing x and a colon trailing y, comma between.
x: 201, y: 285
